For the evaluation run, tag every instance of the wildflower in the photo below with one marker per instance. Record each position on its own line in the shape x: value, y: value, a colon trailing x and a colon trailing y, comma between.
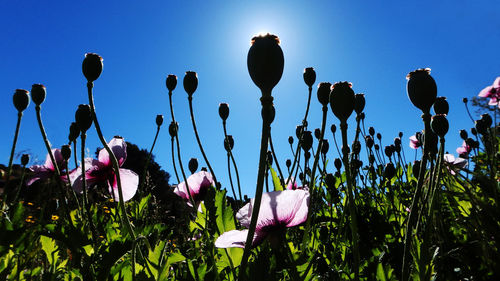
x: 492, y: 92
x: 55, y: 217
x: 278, y: 210
x: 454, y: 164
x: 415, y: 142
x: 465, y: 149
x: 198, y: 184
x: 47, y: 170
x: 101, y: 170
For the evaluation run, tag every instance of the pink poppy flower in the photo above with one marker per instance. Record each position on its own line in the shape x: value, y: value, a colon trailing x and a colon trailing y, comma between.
x: 278, y: 210
x: 454, y: 164
x: 292, y: 184
x: 101, y: 170
x: 492, y: 92
x: 464, y: 149
x: 198, y: 184
x: 47, y: 170
x: 415, y: 142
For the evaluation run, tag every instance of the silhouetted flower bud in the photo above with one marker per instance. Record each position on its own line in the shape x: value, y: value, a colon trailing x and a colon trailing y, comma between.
x: 338, y: 163
x: 309, y: 76
x: 159, y: 120
x: 307, y: 140
x: 439, y: 124
x: 416, y: 168
x: 298, y: 130
x: 25, y: 159
x: 193, y: 165
x: 66, y: 152
x: 397, y: 147
x: 171, y: 82
x: 441, y: 106
x: 400, y: 134
x: 269, y: 157
x: 288, y: 163
x: 265, y: 61
x: 464, y: 100
x: 92, y: 66
x: 481, y: 127
x: 38, y: 93
x: 325, y: 146
x: 371, y: 131
x: 345, y: 149
x: 172, y: 129
x: 356, y: 164
x: 469, y: 142
x: 229, y: 143
x: 190, y: 82
x: 463, y: 134
x: 356, y: 147
x: 379, y: 136
x: 330, y: 181
x: 473, y: 131
x: 369, y: 141
x: 223, y: 111
x: 389, y: 171
x: 83, y: 117
x: 359, y: 103
x: 317, y: 133
x: 290, y: 140
x: 485, y: 117
x: 389, y: 150
x: 376, y: 146
x: 342, y: 100
x: 397, y: 141
x: 74, y: 132
x: 323, y: 93
x: 21, y: 99
x: 333, y: 128
x: 421, y: 88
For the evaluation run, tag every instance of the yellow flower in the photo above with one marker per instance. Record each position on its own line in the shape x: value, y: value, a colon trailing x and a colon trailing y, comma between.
x: 55, y: 217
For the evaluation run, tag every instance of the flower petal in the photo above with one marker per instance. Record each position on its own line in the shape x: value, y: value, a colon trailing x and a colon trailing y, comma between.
x: 130, y: 182
x: 486, y: 92
x: 496, y: 84
x: 198, y: 183
x: 39, y: 173
x: 232, y: 238
x: 119, y: 148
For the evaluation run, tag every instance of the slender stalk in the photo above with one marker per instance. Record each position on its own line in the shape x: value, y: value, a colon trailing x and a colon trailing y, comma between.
x: 267, y: 118
x: 173, y: 160
x: 85, y: 203
x: 229, y: 173
x: 149, y: 159
x: 75, y: 157
x: 190, y: 99
x: 116, y: 166
x: 46, y: 141
x: 276, y: 159
x: 18, y: 125
x: 20, y: 185
x: 234, y: 162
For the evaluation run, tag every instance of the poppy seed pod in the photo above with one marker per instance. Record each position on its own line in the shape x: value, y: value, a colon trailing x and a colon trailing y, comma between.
x: 337, y: 163
x: 323, y: 93
x: 330, y: 181
x: 66, y: 152
x: 421, y: 88
x: 172, y: 129
x: 356, y: 147
x: 397, y: 141
x: 441, y: 106
x: 389, y: 150
x: 92, y: 66
x: 485, y: 117
x: 223, y: 111
x: 333, y: 128
x: 376, y: 146
x: 298, y: 130
x: 464, y: 100
x: 389, y: 171
x: 290, y: 140
x: 371, y: 131
x: 317, y: 133
x: 481, y: 127
x: 359, y: 103
x: 309, y: 76
x: 369, y: 141
x: 439, y: 125
x: 342, y: 100
x: 229, y: 143
x: 83, y: 117
x: 74, y: 132
x: 307, y: 140
x: 159, y: 120
x: 288, y: 163
x: 463, y: 134
x: 356, y: 164
x: 38, y: 93
x: 190, y: 82
x: 265, y: 61
x: 325, y: 146
x: 400, y: 134
x: 25, y: 159
x: 193, y: 165
x: 379, y: 136
x: 171, y: 82
x: 21, y: 99
x: 473, y: 131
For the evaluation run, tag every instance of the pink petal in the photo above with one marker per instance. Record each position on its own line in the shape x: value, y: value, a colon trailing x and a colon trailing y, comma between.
x: 197, y: 183
x: 119, y: 148
x: 414, y: 143
x: 486, y: 92
x: 130, y: 182
x: 493, y: 101
x: 449, y: 158
x: 39, y: 173
x: 496, y: 84
x: 292, y: 184
x: 237, y: 238
x: 57, y: 157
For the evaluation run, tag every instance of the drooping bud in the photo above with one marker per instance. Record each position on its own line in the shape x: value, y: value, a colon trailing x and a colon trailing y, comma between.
x: 439, y: 124
x: 25, y: 159
x: 172, y: 129
x: 171, y: 82
x: 38, y: 93
x: 159, y: 120
x: 421, y: 88
x: 342, y: 100
x: 397, y: 141
x: 290, y: 140
x: 21, y: 99
x: 309, y: 76
x: 356, y: 163
x: 389, y: 171
x: 359, y: 103
x: 193, y: 165
x: 92, y: 66
x: 337, y: 163
x: 317, y: 133
x: 265, y: 61
x: 441, y: 106
x: 325, y: 146
x: 376, y: 146
x: 83, y: 117
x: 223, y: 111
x: 229, y: 143
x: 307, y: 140
x: 190, y: 82
x: 323, y: 93
x: 66, y: 152
x: 464, y: 100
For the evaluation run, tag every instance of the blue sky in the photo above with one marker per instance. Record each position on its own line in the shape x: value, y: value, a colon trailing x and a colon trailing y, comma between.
x: 370, y: 44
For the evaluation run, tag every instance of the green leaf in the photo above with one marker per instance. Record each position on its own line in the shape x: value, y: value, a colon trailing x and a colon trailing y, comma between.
x: 224, y: 213
x: 276, y: 180
x: 50, y: 249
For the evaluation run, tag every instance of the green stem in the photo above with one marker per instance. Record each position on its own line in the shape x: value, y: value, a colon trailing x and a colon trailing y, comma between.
x: 9, y: 170
x: 234, y: 163
x: 276, y: 159
x: 148, y: 160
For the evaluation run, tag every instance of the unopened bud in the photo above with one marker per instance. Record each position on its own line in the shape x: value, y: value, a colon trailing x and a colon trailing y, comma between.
x: 342, y: 100
x: 325, y: 146
x: 288, y: 163
x: 38, y: 93
x: 307, y: 140
x: 190, y: 82
x: 333, y: 128
x: 25, y: 159
x: 66, y: 152
x: 309, y: 76
x: 463, y: 134
x: 74, y: 132
x: 83, y: 117
x: 265, y: 61
x: 371, y: 131
x: 223, y: 111
x: 389, y: 171
x: 359, y: 103
x: 159, y: 120
x: 441, y: 106
x: 317, y: 133
x: 323, y: 93
x: 290, y: 140
x: 229, y: 143
x: 172, y: 129
x: 171, y: 82
x: 439, y: 125
x: 337, y: 163
x: 92, y: 66
x: 421, y: 88
x: 193, y: 165
x: 21, y: 99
